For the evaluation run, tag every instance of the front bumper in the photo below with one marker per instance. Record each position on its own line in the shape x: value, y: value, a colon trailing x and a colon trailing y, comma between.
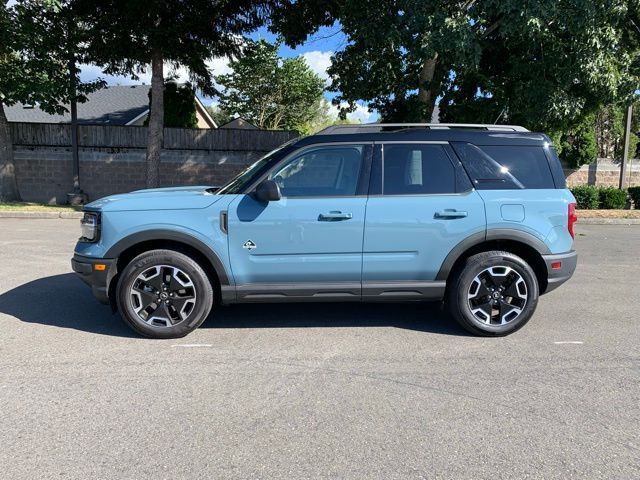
x: 98, y: 280
x: 560, y: 268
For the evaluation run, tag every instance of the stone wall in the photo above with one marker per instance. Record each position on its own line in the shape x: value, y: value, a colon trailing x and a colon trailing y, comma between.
x: 113, y: 161
x: 604, y: 172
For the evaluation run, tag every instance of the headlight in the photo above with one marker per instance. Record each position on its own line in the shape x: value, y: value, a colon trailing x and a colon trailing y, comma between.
x: 90, y: 227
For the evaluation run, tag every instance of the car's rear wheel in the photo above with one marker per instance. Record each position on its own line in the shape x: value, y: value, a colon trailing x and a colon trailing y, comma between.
x: 164, y: 294
x: 493, y: 294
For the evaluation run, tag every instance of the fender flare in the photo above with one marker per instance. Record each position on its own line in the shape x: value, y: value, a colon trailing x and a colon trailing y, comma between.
x: 490, y: 235
x: 161, y: 234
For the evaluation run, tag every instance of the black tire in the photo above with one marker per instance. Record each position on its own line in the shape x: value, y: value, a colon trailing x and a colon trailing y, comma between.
x: 175, y: 285
x: 473, y: 279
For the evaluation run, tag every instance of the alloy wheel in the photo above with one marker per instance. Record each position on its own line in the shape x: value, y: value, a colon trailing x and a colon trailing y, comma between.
x: 497, y: 295
x: 163, y: 296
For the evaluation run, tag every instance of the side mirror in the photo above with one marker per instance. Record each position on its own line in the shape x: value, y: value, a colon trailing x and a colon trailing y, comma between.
x: 268, y: 191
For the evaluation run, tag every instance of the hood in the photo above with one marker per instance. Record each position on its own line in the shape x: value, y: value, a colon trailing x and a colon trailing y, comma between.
x: 173, y: 198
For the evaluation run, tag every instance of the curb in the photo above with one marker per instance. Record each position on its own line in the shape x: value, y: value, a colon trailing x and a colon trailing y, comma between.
x: 608, y: 221
x: 18, y: 214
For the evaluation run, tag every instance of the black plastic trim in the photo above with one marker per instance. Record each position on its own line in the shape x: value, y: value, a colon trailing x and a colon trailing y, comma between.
x: 98, y: 280
x: 519, y: 236
x: 457, y: 251
x: 335, y: 292
x: 558, y: 277
x: 158, y: 234
x: 490, y: 235
x: 403, y: 290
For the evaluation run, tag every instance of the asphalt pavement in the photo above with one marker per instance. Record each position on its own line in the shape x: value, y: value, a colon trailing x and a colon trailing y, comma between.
x: 341, y: 391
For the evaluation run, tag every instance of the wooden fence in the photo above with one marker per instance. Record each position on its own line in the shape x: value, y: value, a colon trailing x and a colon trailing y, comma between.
x: 102, y: 136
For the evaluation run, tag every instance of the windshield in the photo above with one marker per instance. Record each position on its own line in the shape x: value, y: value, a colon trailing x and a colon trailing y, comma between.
x: 253, y: 171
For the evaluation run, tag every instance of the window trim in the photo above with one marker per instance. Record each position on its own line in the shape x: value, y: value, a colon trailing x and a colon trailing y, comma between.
x: 457, y: 168
x: 363, y: 177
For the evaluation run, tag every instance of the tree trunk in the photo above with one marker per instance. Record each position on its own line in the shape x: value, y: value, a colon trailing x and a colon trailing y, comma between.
x: 74, y: 125
x: 156, y: 120
x: 426, y: 89
x: 8, y: 185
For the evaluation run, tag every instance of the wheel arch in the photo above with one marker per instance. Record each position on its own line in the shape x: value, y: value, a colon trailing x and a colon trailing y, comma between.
x: 522, y: 244
x: 131, y: 246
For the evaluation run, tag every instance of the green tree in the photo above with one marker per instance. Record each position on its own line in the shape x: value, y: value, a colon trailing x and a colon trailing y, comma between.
x: 128, y: 36
x: 269, y: 91
x: 323, y: 119
x: 40, y: 44
x: 577, y: 145
x: 219, y: 115
x: 610, y: 126
x: 544, y: 63
x: 179, y: 106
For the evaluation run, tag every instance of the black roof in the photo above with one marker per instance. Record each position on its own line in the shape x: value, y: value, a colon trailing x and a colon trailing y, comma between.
x: 113, y: 105
x: 417, y: 134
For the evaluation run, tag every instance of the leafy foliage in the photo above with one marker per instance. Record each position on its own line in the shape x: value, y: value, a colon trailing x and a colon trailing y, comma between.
x: 590, y: 197
x: 586, y: 197
x: 577, y: 145
x: 545, y: 64
x: 219, y: 115
x: 38, y: 40
x: 612, y: 198
x: 269, y: 91
x: 40, y: 44
x: 130, y: 35
x: 179, y: 106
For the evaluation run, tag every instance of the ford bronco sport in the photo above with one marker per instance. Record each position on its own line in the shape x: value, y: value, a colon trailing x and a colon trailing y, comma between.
x: 475, y: 215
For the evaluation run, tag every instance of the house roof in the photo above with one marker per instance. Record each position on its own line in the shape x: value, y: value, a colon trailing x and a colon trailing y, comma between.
x: 114, y: 105
x: 239, y: 123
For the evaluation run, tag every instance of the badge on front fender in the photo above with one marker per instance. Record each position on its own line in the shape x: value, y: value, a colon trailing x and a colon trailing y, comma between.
x: 249, y: 245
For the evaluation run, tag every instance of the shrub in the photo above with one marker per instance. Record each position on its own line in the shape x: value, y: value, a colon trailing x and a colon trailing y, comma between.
x: 586, y: 197
x: 634, y: 193
x: 611, y: 198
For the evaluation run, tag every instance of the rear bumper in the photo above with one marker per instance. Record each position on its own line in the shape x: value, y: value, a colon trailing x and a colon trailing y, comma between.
x: 98, y: 280
x: 562, y: 272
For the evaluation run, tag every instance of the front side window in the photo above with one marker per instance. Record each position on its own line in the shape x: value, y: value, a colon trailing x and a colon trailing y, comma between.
x: 417, y: 169
x: 321, y: 171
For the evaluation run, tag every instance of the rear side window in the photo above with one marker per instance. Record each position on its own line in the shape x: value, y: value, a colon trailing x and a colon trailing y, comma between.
x: 417, y: 169
x: 501, y: 167
x: 528, y: 164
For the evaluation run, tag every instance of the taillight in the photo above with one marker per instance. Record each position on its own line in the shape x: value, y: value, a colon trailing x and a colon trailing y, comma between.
x: 572, y: 219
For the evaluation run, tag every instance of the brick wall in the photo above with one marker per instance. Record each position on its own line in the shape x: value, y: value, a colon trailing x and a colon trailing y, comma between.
x: 44, y: 161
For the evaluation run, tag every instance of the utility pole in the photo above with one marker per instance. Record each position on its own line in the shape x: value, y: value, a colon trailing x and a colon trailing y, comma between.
x: 625, y: 153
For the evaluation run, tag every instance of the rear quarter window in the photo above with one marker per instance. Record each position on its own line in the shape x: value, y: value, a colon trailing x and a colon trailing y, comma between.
x: 529, y: 165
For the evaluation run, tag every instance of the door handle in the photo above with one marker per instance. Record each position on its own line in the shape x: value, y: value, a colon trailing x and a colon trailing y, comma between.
x: 334, y: 216
x: 450, y: 213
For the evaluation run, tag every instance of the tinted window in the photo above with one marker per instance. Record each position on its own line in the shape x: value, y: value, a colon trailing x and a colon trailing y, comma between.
x: 484, y: 171
x: 528, y: 164
x: 417, y: 169
x: 321, y: 171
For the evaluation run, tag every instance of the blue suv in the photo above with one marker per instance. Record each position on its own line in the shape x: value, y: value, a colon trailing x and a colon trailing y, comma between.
x: 476, y: 215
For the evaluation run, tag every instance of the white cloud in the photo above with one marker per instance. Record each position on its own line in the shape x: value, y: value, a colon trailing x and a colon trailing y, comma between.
x: 319, y: 62
x: 361, y: 114
x: 218, y: 66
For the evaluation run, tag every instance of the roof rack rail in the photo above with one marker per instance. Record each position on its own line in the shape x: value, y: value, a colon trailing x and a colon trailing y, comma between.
x: 378, y: 127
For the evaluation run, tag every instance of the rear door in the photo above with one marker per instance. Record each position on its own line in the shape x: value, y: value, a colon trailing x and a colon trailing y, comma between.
x: 421, y: 205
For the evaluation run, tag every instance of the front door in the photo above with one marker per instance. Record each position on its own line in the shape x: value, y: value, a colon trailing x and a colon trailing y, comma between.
x: 309, y: 243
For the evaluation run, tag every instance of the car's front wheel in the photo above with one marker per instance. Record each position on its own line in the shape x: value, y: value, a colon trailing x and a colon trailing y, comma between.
x: 164, y: 294
x: 493, y: 294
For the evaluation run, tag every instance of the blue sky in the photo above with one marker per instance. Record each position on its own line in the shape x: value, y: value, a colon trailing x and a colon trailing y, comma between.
x: 317, y: 51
